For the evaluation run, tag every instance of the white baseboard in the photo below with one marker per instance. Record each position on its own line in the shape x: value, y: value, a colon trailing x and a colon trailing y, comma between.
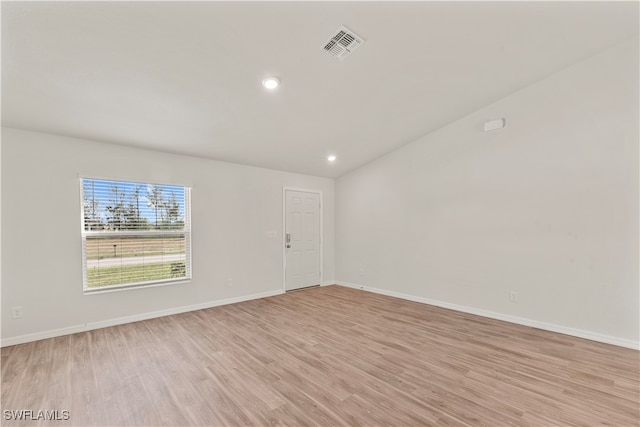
x: 128, y: 319
x: 594, y: 336
x: 485, y: 313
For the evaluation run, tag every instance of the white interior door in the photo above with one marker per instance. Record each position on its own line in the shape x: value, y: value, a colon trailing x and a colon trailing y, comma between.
x: 302, y: 239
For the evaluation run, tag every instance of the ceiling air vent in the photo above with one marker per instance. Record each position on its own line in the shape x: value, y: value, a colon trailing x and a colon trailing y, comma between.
x: 343, y: 42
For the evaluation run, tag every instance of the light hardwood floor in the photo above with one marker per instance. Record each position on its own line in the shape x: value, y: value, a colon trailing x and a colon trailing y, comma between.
x: 325, y: 356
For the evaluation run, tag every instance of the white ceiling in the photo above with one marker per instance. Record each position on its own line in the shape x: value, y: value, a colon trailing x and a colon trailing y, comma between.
x: 184, y: 77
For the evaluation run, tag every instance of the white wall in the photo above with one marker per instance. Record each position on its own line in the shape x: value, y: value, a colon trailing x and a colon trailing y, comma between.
x: 547, y: 207
x: 232, y: 208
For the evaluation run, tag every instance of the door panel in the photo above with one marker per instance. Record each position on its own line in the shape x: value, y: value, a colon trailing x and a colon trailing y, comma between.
x: 302, y: 222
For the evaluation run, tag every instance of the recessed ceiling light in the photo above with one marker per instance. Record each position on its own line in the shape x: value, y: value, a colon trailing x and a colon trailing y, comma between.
x: 271, y: 83
x: 331, y: 158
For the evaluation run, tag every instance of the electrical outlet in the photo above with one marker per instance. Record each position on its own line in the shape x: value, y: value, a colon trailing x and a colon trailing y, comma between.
x: 361, y: 272
x: 229, y: 282
x: 16, y: 312
x: 513, y: 296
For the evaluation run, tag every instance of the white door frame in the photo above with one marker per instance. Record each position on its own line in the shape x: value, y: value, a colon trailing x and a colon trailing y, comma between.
x: 284, y: 231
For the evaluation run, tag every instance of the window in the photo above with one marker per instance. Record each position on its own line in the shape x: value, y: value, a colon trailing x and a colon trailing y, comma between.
x: 134, y: 234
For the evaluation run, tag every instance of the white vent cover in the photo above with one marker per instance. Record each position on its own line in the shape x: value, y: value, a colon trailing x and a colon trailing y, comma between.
x: 342, y: 43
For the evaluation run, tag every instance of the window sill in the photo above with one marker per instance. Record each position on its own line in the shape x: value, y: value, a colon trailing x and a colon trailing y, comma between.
x: 118, y: 288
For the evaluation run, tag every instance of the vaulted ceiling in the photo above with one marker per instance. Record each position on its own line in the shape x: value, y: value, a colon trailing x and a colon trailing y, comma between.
x: 184, y: 77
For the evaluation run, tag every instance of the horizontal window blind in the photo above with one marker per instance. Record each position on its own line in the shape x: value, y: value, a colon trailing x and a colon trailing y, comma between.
x: 134, y: 234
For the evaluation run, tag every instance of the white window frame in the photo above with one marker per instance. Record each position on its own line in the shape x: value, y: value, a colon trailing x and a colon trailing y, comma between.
x: 151, y: 233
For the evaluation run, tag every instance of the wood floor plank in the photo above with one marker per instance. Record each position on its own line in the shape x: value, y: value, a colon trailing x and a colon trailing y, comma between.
x: 330, y: 356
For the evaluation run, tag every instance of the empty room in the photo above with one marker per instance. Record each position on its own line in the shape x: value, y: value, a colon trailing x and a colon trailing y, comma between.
x: 320, y: 213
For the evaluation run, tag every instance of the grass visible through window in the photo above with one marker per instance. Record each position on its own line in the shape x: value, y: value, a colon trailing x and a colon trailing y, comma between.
x: 107, y: 276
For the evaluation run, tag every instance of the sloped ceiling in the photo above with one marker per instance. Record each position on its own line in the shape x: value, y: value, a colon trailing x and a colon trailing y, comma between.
x: 184, y: 77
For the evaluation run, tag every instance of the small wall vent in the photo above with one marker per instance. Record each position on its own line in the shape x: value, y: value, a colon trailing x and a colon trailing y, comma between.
x: 342, y: 43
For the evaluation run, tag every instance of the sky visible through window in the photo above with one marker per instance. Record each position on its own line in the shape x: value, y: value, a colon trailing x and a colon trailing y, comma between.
x: 122, y: 205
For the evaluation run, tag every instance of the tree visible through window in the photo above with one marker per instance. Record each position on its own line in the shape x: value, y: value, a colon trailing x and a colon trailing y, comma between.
x: 134, y: 234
